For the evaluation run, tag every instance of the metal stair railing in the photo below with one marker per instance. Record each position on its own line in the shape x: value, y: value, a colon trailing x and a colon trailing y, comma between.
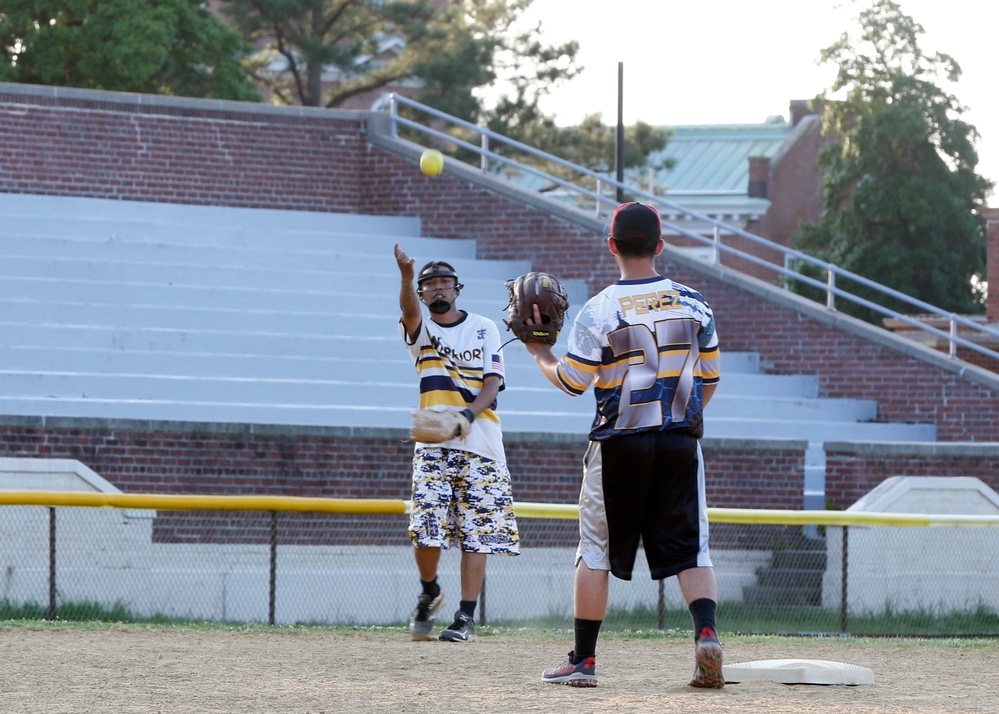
x: 602, y: 199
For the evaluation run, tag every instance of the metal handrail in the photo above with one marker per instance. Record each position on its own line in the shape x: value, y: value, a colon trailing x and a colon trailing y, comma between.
x: 603, y: 198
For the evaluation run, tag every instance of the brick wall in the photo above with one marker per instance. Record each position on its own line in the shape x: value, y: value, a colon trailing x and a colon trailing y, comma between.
x: 734, y: 475
x: 853, y: 470
x: 794, y: 189
x: 169, y: 458
x: 795, y: 185
x: 179, y: 152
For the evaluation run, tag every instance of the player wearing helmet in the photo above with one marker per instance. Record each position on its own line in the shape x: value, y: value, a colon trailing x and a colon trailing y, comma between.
x: 461, y: 494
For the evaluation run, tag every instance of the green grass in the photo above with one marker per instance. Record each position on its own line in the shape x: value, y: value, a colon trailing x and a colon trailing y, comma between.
x: 637, y: 622
x: 562, y: 636
x: 798, y: 620
x: 83, y: 611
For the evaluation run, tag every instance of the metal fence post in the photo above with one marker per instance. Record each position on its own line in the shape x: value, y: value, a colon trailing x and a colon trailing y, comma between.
x: 844, y: 579
x: 52, y: 563
x: 273, y: 583
x: 393, y: 113
x: 661, y: 606
x: 482, y: 602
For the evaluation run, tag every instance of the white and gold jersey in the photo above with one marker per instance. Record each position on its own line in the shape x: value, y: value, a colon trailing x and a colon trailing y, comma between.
x: 452, y: 361
x: 647, y: 347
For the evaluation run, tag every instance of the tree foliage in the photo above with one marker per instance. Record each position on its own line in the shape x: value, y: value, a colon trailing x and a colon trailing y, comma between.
x: 474, y: 60
x: 901, y: 194
x: 325, y: 53
x: 322, y: 53
x: 593, y: 145
x: 520, y: 72
x: 150, y: 46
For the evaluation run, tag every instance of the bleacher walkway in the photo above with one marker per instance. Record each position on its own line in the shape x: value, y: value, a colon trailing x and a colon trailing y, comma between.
x: 116, y: 309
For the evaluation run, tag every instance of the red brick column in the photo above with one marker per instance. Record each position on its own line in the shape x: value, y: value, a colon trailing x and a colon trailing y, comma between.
x: 992, y: 265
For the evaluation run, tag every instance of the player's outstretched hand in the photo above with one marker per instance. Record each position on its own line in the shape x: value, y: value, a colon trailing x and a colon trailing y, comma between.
x: 405, y: 263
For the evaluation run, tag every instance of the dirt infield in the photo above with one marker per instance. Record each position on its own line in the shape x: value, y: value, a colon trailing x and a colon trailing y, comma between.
x: 132, y: 669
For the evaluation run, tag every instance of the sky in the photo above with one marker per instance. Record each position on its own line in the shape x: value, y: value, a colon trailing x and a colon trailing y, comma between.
x: 731, y: 62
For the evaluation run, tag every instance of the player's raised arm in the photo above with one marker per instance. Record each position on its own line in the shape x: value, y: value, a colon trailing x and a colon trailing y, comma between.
x: 409, y: 301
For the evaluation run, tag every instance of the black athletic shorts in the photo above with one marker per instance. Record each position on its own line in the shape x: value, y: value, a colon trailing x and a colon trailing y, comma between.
x: 649, y: 488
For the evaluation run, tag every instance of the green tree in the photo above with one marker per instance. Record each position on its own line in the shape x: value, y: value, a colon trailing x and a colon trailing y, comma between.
x: 151, y: 46
x: 902, y: 198
x: 472, y: 59
x: 325, y: 52
x: 593, y: 144
x: 322, y: 53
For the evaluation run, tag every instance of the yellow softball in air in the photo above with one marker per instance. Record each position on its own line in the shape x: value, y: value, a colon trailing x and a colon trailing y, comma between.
x: 431, y: 162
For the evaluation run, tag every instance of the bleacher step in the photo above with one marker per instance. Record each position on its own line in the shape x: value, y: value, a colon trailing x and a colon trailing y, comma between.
x: 39, y: 208
x: 374, y: 386
x: 310, y: 271
x: 159, y: 311
x: 225, y: 246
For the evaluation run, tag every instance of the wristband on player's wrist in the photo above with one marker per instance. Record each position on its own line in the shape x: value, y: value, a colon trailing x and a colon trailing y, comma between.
x: 468, y: 414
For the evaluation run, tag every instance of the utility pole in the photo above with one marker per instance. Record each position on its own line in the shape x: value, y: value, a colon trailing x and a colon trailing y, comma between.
x: 620, y: 131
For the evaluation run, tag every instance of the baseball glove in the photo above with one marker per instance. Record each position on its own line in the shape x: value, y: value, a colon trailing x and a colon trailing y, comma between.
x: 433, y: 427
x: 548, y: 294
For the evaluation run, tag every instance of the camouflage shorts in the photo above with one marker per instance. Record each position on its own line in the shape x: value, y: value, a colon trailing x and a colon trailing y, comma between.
x: 464, y: 500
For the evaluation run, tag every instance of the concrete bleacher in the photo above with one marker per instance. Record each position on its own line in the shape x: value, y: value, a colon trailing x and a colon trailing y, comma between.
x: 115, y: 309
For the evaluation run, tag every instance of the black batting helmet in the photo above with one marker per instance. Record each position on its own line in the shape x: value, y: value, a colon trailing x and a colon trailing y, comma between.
x: 438, y: 269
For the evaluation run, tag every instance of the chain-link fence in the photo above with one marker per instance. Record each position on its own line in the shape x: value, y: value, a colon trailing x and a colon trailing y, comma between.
x: 778, y: 572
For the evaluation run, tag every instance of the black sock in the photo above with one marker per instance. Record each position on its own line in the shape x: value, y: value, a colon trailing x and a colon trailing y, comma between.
x: 468, y: 607
x: 586, y: 633
x: 431, y: 588
x: 703, y: 612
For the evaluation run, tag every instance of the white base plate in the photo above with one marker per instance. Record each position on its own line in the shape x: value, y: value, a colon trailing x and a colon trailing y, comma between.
x: 797, y: 671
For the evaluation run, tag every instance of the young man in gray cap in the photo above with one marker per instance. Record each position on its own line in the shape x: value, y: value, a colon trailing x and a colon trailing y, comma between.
x: 649, y: 348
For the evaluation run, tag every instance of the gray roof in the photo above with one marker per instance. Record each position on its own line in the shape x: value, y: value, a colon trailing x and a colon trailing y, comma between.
x: 711, y: 171
x: 714, y: 159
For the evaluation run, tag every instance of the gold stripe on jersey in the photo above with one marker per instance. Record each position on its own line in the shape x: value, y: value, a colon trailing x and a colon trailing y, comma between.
x: 575, y: 374
x: 709, y: 366
x: 431, y: 366
x: 430, y: 360
x: 442, y: 398
x: 489, y: 414
x: 671, y: 365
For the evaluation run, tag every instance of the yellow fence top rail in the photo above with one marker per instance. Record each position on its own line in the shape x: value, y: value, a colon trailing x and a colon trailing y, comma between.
x: 184, y: 502
x: 524, y: 509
